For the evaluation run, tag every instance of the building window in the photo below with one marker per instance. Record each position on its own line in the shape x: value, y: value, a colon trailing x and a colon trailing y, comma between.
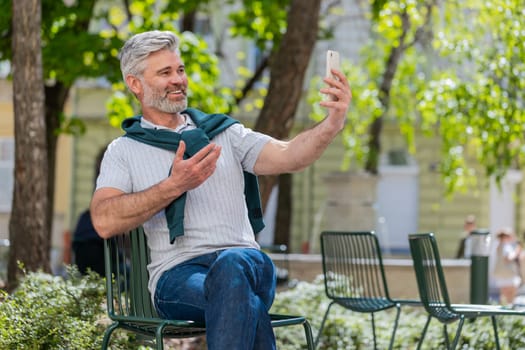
x: 7, y: 163
x: 203, y: 26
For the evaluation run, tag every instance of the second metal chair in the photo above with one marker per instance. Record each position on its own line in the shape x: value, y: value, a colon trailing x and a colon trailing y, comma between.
x: 434, y: 293
x: 354, y: 276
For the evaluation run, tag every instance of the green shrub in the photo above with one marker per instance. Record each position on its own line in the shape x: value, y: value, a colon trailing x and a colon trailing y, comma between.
x: 347, y: 330
x: 51, y: 312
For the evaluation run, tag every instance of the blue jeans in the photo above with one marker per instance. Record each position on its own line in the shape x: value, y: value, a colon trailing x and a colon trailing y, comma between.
x: 230, y: 290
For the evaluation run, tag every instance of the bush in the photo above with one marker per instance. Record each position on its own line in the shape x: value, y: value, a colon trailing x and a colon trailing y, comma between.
x: 50, y: 312
x: 57, y: 313
x: 345, y: 329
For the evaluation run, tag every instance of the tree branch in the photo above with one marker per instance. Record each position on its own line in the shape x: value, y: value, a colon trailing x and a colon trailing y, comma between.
x: 256, y: 77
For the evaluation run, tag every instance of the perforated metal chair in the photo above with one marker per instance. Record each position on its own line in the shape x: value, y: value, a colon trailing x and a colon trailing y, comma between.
x: 129, y: 303
x: 434, y: 293
x: 354, y: 277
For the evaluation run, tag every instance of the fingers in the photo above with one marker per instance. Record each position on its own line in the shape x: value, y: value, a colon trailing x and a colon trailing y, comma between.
x: 205, y: 161
x: 340, y: 89
x: 341, y: 78
x: 209, y: 151
x: 179, y: 155
x: 189, y: 173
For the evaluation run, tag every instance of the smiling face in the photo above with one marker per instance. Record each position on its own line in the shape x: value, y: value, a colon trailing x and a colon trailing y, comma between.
x: 163, y: 84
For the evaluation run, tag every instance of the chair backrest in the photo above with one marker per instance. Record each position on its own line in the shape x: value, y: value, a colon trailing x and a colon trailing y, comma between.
x: 353, y: 266
x: 126, y: 258
x: 430, y: 277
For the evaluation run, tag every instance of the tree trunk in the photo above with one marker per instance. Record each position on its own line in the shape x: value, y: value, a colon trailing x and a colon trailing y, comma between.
x: 288, y: 66
x: 30, y: 224
x: 391, y: 65
x: 392, y: 62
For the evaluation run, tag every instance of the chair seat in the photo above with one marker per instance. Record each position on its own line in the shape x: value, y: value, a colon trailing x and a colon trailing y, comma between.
x: 473, y: 310
x: 169, y: 330
x: 444, y: 313
x: 187, y: 329
x: 365, y: 304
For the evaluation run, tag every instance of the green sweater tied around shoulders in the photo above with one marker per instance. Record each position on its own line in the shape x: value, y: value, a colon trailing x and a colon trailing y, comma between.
x: 208, y: 126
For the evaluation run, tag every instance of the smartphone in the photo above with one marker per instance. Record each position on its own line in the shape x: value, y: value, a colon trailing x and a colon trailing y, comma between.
x: 332, y: 61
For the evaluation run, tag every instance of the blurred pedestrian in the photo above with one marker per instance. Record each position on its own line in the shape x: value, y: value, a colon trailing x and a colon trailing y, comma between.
x: 506, y: 274
x: 468, y: 227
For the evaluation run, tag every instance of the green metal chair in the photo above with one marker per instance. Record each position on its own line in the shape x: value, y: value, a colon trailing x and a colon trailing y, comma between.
x: 129, y: 303
x: 434, y: 293
x: 354, y: 277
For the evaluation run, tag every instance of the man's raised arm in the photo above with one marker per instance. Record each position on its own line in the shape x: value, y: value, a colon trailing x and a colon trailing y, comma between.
x: 305, y: 148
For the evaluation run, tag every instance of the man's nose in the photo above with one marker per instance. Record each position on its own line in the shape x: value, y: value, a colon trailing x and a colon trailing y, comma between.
x: 176, y: 79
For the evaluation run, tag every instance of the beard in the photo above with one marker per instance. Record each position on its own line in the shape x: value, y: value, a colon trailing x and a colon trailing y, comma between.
x: 156, y: 98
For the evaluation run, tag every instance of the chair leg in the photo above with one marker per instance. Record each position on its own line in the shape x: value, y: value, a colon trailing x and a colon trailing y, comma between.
x: 495, y: 327
x: 458, y: 333
x: 107, y: 335
x: 398, y: 311
x: 158, y: 337
x: 445, y: 336
x: 309, y: 336
x: 374, y: 330
x: 322, y: 325
x: 423, y: 333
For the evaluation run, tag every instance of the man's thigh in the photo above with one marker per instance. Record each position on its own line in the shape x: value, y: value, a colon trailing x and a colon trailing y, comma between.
x: 180, y: 291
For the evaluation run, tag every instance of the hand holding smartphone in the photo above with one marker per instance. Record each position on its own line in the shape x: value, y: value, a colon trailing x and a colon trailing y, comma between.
x: 332, y: 62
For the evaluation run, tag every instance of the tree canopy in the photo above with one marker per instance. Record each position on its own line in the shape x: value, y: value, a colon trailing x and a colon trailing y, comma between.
x: 459, y: 76
x: 477, y: 97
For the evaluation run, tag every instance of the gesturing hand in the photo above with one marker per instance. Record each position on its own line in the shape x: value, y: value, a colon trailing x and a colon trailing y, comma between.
x: 187, y: 174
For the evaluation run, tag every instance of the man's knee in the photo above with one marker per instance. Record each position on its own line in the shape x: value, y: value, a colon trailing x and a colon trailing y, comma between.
x: 248, y: 263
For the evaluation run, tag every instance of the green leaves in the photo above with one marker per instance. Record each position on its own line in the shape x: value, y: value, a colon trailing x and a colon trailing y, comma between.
x: 50, y: 312
x: 260, y: 20
x: 478, y: 101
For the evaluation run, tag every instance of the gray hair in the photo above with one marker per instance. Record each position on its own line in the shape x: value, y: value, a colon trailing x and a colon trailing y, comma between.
x: 137, y: 48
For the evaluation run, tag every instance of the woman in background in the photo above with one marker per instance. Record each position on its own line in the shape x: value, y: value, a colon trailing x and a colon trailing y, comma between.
x: 506, y: 274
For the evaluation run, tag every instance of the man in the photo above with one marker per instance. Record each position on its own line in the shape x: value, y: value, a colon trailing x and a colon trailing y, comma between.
x: 468, y: 227
x: 196, y: 198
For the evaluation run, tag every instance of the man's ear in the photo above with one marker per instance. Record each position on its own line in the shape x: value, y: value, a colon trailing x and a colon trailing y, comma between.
x: 134, y: 84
